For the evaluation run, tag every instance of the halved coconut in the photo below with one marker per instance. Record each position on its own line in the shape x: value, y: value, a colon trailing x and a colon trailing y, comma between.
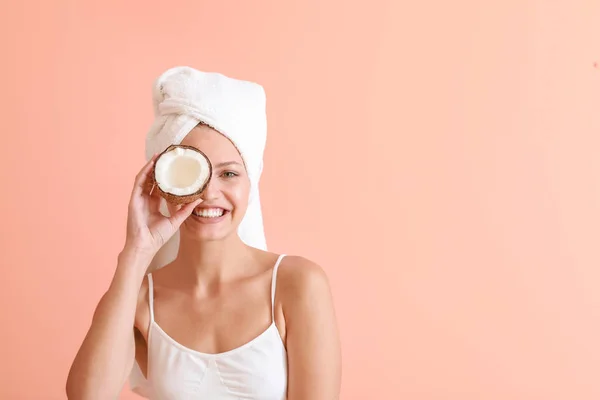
x: 180, y: 174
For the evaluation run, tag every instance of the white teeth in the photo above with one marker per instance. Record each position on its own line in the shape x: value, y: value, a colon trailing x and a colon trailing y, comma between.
x: 209, y: 212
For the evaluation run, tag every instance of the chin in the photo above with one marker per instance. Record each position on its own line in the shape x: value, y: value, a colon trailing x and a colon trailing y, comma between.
x: 210, y: 237
x: 208, y: 232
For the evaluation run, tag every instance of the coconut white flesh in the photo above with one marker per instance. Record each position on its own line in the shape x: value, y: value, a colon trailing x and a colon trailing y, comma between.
x: 181, y: 171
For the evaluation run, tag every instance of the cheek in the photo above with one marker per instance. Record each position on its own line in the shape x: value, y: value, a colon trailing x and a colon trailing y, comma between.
x: 240, y: 193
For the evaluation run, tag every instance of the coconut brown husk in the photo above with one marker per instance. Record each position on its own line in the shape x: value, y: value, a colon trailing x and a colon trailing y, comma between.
x: 169, y: 197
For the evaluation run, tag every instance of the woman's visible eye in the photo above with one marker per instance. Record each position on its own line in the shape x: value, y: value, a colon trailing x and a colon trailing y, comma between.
x: 229, y: 174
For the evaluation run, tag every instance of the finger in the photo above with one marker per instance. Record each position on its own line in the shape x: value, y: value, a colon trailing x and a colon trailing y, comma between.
x: 184, y: 212
x: 142, y: 176
x: 154, y: 201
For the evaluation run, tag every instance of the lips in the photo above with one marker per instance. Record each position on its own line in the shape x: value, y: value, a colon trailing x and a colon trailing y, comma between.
x: 211, y: 219
x: 209, y: 212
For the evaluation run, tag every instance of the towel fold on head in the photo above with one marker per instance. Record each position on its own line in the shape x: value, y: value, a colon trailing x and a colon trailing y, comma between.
x: 183, y: 97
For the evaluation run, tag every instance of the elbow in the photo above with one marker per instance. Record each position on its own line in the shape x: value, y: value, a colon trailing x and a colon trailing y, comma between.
x: 77, y: 389
x: 74, y: 394
x: 72, y: 390
x: 87, y: 395
x: 76, y: 385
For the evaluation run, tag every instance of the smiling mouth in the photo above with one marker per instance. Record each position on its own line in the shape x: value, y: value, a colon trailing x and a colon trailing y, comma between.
x: 209, y: 212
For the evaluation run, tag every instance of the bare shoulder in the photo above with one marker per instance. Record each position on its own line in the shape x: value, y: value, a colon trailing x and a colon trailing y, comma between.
x: 300, y: 277
x: 312, y: 336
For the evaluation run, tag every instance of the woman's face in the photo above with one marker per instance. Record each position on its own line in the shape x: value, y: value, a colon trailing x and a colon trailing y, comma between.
x: 226, y: 193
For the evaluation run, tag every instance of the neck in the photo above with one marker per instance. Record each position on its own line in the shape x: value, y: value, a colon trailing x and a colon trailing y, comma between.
x: 202, y: 263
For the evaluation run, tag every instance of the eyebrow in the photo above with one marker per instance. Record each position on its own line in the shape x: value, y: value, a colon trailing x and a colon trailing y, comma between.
x: 227, y: 163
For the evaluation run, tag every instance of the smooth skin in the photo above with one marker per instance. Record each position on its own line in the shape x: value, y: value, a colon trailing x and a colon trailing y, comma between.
x: 216, y: 283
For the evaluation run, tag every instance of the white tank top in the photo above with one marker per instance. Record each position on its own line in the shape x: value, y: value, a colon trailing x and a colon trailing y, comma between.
x: 255, y: 370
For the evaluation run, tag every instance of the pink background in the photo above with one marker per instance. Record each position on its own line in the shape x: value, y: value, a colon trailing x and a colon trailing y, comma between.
x: 438, y: 159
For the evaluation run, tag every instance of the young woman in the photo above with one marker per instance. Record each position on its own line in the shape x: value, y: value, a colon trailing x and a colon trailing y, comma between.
x: 222, y: 319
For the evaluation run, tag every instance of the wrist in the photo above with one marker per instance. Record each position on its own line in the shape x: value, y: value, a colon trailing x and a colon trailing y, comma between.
x: 131, y: 268
x: 134, y: 260
x: 134, y: 254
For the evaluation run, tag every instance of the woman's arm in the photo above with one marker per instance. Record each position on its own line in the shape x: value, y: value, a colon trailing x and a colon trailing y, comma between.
x: 106, y: 356
x: 312, y: 339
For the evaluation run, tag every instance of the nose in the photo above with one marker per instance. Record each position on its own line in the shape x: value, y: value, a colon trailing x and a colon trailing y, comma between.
x: 212, y: 191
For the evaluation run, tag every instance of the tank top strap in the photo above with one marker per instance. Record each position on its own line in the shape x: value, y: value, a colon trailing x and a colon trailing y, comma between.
x: 151, y: 296
x: 274, y: 285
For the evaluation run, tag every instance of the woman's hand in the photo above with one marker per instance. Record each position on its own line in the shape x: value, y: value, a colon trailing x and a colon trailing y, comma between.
x: 147, y: 228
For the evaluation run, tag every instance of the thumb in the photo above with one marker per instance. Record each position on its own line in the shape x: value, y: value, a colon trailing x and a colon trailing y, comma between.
x: 184, y: 212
